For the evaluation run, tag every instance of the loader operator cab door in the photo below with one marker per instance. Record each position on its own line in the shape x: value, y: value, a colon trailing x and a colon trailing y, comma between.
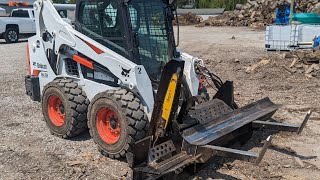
x: 152, y: 25
x: 139, y: 30
x: 102, y: 22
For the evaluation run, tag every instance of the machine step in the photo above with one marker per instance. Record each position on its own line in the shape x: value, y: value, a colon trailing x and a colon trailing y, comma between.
x: 169, y: 167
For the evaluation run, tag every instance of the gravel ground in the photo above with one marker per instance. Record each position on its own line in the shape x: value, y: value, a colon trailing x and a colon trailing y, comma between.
x: 29, y: 151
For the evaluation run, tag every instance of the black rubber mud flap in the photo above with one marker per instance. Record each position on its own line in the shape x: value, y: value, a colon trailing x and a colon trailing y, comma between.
x: 213, y: 127
x: 32, y: 86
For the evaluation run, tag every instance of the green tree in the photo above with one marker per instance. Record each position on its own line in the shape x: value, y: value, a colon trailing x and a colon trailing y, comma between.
x: 65, y: 1
x: 72, y: 1
x: 59, y: 1
x: 227, y: 4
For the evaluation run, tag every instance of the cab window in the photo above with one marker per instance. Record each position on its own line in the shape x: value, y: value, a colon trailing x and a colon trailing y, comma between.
x: 100, y: 20
x: 20, y: 13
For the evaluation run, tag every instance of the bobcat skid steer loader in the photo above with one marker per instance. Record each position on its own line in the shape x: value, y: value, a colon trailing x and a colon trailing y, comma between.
x: 117, y: 72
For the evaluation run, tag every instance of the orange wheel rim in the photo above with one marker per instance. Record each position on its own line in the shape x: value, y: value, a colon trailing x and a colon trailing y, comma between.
x: 108, y: 125
x: 56, y: 110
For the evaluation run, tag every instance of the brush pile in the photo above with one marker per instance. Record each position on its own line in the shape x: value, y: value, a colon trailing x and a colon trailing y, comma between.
x: 303, y: 62
x: 188, y: 19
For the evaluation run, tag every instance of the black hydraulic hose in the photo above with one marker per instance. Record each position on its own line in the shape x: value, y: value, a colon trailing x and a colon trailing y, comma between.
x: 208, y: 74
x: 215, y: 79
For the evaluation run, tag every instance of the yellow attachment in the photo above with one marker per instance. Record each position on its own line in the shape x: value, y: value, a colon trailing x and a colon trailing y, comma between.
x: 168, y: 101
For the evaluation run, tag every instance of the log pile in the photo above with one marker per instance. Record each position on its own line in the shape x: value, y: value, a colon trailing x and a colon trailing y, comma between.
x: 257, y: 13
x: 307, y: 6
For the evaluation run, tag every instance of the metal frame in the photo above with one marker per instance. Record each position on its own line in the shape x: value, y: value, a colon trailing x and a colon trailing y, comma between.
x: 150, y: 167
x: 283, y: 126
x: 290, y: 37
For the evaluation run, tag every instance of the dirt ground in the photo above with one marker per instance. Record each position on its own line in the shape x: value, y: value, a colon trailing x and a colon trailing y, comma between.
x: 28, y: 151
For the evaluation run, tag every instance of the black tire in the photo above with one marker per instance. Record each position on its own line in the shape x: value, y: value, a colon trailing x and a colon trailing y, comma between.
x: 75, y: 107
x: 131, y: 118
x: 11, y: 35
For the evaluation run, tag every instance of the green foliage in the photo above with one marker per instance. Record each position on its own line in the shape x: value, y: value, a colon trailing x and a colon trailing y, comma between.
x: 59, y: 1
x: 227, y: 4
x: 72, y: 1
x: 64, y: 1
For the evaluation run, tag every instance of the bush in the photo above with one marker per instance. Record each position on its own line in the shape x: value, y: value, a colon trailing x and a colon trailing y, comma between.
x: 227, y: 4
